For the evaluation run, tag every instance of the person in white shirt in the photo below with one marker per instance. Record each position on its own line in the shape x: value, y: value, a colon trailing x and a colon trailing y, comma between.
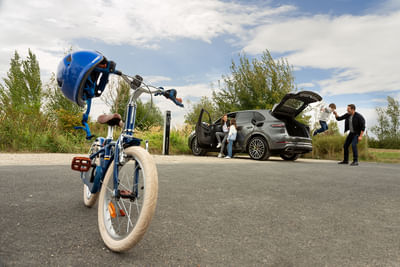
x: 224, y: 134
x: 231, y: 137
x: 324, y: 118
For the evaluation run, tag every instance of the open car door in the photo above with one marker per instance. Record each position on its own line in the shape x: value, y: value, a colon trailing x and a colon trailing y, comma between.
x: 204, y: 129
x: 293, y: 104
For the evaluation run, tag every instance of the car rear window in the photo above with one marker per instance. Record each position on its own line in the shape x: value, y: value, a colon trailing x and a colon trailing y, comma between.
x: 293, y: 103
x: 258, y: 116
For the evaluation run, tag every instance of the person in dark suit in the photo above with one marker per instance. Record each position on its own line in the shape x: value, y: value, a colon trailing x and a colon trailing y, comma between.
x: 355, y: 123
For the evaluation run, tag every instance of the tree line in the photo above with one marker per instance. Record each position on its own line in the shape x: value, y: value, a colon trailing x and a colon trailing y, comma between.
x: 252, y: 84
x: 37, y: 117
x: 387, y: 129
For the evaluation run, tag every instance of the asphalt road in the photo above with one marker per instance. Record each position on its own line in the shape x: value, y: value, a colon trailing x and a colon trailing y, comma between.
x: 272, y: 213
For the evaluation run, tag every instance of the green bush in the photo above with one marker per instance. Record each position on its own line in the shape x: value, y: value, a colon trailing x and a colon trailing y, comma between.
x: 388, y: 143
x: 331, y: 147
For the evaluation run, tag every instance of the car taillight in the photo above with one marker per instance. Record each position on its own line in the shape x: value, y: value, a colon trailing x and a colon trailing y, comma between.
x: 281, y: 125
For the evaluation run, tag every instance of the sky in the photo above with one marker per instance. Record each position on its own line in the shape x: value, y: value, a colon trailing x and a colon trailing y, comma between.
x: 347, y: 51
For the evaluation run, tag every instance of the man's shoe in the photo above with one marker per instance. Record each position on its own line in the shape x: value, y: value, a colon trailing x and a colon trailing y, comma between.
x: 343, y: 162
x: 219, y: 145
x: 227, y: 157
x: 354, y: 163
x: 220, y: 155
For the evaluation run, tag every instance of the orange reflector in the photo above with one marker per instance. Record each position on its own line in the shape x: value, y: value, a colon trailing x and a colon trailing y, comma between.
x: 121, y: 212
x: 111, y: 209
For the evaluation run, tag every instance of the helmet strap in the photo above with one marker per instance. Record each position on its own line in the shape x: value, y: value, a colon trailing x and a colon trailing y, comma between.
x: 85, y: 118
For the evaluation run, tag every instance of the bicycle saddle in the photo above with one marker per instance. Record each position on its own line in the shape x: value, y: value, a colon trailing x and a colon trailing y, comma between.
x: 111, y: 119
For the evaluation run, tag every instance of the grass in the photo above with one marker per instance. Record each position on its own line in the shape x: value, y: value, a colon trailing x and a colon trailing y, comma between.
x: 331, y: 147
x: 384, y: 155
x: 41, y: 136
x: 178, y: 140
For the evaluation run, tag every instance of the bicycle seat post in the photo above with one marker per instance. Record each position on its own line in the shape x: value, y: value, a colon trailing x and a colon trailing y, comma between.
x: 110, y: 132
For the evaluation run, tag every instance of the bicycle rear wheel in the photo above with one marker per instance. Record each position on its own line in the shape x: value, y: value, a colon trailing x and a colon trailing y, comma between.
x: 123, y: 221
x: 89, y: 199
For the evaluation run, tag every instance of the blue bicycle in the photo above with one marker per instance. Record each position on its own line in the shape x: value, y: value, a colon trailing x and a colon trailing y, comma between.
x: 119, y: 173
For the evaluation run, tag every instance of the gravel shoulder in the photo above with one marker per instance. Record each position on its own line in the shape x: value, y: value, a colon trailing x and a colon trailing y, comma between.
x: 46, y: 159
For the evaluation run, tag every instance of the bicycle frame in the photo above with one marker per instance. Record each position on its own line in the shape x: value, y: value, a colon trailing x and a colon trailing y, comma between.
x: 113, y: 151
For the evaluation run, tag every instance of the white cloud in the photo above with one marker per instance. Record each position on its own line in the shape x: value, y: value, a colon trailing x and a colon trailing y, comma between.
x: 156, y: 79
x: 363, y: 50
x: 306, y: 85
x: 49, y: 27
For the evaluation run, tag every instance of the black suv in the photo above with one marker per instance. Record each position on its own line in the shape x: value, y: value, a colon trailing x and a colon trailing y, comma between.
x: 261, y: 133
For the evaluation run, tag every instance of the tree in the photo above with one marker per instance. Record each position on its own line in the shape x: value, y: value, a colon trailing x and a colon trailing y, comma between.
x: 393, y: 112
x: 22, y: 89
x: 148, y: 115
x: 256, y: 84
x: 57, y: 101
x: 64, y: 112
x: 21, y: 121
x: 117, y: 98
x: 192, y: 115
x: 11, y: 93
x: 388, y: 126
x: 381, y: 130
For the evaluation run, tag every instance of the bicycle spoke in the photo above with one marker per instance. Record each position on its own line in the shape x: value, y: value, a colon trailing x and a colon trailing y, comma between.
x: 129, y: 218
x: 130, y: 206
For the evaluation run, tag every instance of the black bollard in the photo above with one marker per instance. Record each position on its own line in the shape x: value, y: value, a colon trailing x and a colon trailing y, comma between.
x: 167, y: 127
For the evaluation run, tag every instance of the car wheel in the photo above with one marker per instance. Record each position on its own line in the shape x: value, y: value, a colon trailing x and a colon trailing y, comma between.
x: 196, y: 150
x: 258, y: 148
x: 289, y: 157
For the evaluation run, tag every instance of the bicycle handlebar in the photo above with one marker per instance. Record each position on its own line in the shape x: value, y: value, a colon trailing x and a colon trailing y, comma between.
x: 136, y: 83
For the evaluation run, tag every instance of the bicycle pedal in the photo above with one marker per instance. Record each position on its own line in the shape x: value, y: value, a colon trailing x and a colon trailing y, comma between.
x: 81, y: 164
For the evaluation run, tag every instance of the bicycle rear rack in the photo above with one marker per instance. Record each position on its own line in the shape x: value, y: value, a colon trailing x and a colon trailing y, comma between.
x: 81, y: 164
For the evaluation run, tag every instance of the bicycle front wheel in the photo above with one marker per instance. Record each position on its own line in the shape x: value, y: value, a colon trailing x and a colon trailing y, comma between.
x: 124, y: 220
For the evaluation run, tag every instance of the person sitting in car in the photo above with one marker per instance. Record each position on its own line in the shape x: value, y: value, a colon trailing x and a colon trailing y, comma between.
x: 231, y: 137
x: 222, y: 135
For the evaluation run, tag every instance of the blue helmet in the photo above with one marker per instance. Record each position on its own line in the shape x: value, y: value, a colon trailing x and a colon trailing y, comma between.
x: 78, y: 74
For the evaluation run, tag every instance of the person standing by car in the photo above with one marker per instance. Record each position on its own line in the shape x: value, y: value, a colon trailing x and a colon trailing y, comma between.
x: 231, y: 137
x: 224, y: 134
x: 354, y: 122
x: 324, y: 118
